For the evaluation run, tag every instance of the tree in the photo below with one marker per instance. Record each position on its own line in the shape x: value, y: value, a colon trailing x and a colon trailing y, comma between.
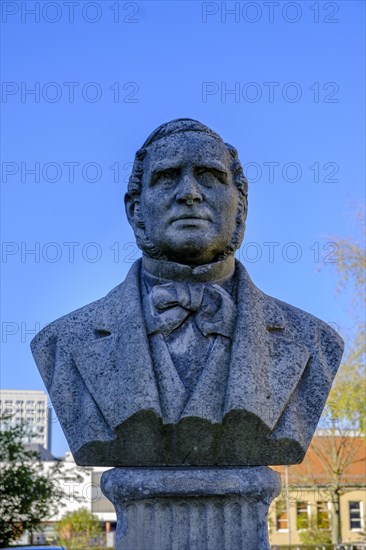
x: 343, y: 422
x: 79, y: 529
x: 348, y: 391
x: 315, y: 533
x: 338, y: 452
x: 27, y: 494
x: 351, y: 260
x: 24, y: 492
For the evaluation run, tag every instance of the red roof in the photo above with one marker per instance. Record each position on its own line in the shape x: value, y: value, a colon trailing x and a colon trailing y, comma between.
x: 330, y: 459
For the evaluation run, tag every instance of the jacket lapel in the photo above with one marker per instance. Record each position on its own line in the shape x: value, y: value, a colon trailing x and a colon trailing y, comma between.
x: 265, y: 366
x: 117, y: 366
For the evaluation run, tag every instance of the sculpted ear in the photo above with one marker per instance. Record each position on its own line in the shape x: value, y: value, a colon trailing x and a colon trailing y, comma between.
x: 130, y: 209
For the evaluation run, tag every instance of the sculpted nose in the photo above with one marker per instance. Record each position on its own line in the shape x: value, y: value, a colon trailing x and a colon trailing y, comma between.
x: 188, y: 190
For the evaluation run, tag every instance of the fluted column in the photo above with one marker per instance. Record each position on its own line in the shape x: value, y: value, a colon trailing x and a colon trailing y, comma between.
x: 191, y: 508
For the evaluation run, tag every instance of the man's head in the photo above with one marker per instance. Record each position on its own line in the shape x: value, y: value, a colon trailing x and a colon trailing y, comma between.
x: 187, y: 195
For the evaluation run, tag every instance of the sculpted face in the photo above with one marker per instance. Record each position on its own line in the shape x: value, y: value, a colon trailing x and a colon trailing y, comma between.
x: 189, y: 200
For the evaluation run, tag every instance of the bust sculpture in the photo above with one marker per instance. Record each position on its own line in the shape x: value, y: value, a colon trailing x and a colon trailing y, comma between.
x: 187, y: 362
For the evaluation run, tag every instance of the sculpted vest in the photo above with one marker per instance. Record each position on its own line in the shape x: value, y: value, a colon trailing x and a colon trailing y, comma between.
x: 190, y: 327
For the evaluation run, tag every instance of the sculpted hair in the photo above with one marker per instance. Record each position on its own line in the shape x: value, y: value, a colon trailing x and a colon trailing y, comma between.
x: 135, y: 184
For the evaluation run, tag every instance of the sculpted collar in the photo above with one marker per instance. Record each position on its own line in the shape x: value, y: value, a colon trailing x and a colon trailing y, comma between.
x: 216, y: 272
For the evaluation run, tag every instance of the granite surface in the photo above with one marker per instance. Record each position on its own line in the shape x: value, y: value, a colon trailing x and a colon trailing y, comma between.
x: 187, y: 362
x: 191, y: 509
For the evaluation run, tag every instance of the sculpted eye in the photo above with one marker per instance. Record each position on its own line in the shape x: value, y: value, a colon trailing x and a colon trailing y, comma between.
x: 210, y: 176
x: 165, y: 176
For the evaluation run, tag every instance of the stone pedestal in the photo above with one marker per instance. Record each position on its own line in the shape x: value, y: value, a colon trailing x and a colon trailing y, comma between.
x: 191, y: 508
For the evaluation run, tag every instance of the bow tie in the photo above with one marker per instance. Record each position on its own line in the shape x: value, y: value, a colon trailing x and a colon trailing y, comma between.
x: 167, y: 306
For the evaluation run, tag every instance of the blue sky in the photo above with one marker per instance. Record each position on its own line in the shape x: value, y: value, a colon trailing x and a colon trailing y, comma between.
x: 285, y: 87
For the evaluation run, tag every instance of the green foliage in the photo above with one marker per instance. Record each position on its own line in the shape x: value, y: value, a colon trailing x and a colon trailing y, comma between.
x: 270, y: 525
x: 28, y: 494
x: 347, y: 399
x: 345, y: 411
x: 302, y: 522
x: 316, y: 533
x: 348, y: 394
x: 351, y: 260
x: 79, y: 529
x: 25, y: 492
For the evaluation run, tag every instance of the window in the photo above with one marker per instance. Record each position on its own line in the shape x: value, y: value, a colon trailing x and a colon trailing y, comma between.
x: 8, y: 408
x: 302, y: 515
x: 355, y: 515
x: 281, y: 516
x: 41, y: 413
x: 322, y: 515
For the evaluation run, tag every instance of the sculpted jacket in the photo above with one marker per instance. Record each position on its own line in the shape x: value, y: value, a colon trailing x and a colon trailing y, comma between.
x: 260, y: 409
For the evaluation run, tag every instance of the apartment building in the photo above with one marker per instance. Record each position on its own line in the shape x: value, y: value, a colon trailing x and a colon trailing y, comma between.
x: 31, y: 408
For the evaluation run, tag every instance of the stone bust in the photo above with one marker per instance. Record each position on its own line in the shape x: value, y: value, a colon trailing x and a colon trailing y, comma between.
x: 187, y: 362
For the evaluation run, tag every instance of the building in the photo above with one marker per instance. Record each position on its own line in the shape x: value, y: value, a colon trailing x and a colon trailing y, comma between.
x: 30, y: 407
x: 308, y: 492
x: 103, y: 508
x: 308, y: 497
x: 81, y: 492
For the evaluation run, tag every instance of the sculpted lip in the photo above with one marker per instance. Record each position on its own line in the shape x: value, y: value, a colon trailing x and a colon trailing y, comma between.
x: 190, y: 217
